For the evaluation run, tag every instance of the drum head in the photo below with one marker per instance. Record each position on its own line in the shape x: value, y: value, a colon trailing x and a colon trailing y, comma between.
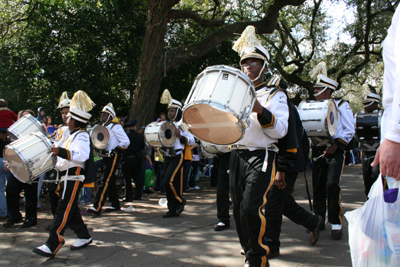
x: 16, y: 164
x: 167, y: 134
x: 212, y: 124
x: 100, y: 137
x: 332, y: 118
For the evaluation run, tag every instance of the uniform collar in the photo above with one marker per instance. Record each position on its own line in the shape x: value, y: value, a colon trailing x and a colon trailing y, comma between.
x: 260, y: 86
x: 75, y: 130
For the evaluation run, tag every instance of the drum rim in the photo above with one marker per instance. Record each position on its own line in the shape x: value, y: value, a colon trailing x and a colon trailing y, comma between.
x: 90, y: 135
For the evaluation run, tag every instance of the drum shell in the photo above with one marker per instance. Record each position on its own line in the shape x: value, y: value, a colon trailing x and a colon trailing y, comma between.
x: 26, y: 155
x: 314, y: 117
x: 209, y: 150
x: 219, y: 104
x: 160, y: 134
x: 26, y: 125
x: 100, y: 136
x: 368, y: 126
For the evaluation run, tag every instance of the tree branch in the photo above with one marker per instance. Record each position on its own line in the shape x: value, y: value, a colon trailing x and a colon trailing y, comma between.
x: 188, y: 14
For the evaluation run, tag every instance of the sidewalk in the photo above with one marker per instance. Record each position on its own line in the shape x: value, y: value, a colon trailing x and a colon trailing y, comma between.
x: 144, y: 238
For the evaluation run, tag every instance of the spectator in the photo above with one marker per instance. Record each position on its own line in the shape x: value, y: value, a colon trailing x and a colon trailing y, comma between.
x: 7, y: 117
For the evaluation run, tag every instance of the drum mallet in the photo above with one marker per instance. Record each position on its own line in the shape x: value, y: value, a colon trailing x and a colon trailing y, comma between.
x: 315, y: 159
x: 47, y: 159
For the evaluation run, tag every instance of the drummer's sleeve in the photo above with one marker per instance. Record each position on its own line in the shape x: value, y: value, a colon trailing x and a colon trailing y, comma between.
x: 343, y: 139
x: 79, y: 149
x: 122, y: 137
x: 274, y: 120
x: 187, y: 138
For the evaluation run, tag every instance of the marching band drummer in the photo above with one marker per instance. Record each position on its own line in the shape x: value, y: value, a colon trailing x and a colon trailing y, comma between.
x: 327, y: 169
x: 174, y: 159
x: 75, y: 164
x: 118, y: 142
x: 370, y: 174
x: 252, y: 161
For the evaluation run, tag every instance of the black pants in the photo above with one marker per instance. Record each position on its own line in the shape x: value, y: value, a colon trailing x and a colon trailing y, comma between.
x: 158, y: 167
x: 132, y: 169
x: 108, y: 185
x: 173, y: 181
x: 52, y: 187
x: 326, y: 175
x: 13, y: 189
x: 370, y: 174
x: 249, y: 187
x: 281, y: 201
x: 67, y: 213
x: 223, y: 189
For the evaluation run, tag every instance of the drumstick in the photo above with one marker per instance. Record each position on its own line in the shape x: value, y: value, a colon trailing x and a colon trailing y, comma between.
x: 315, y: 159
x: 47, y: 159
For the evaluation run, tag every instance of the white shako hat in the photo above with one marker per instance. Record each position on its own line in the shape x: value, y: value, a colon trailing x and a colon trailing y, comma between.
x: 371, y: 97
x: 320, y: 72
x: 166, y: 98
x: 249, y: 46
x: 109, y: 109
x: 64, y: 101
x: 80, y: 106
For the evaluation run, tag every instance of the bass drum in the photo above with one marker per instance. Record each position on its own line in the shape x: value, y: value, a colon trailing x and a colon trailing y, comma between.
x: 26, y: 157
x: 26, y: 125
x: 209, y: 150
x: 99, y: 136
x: 319, y: 117
x: 160, y: 134
x: 219, y: 105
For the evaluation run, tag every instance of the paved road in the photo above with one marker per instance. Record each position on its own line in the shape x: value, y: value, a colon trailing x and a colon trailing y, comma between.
x: 143, y: 238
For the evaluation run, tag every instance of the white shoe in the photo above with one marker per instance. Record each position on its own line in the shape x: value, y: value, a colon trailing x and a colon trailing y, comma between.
x: 43, y: 251
x: 195, y: 188
x: 81, y: 243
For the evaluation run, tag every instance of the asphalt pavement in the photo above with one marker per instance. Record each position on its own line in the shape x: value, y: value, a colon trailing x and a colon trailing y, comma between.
x: 143, y: 238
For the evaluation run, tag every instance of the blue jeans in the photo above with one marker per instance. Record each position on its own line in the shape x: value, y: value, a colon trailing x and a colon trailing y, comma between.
x: 87, y: 191
x: 3, y: 178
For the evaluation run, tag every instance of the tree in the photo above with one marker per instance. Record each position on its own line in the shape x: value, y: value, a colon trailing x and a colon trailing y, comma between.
x: 160, y: 13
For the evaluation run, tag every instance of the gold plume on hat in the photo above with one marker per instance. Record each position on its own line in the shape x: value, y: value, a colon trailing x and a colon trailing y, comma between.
x: 319, y: 69
x: 82, y: 101
x: 247, y: 42
x: 63, y: 100
x: 166, y: 97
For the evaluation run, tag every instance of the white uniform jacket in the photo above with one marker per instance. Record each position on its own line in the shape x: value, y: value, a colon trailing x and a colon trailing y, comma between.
x: 390, y: 127
x: 271, y: 125
x: 345, y: 127
x: 178, y: 145
x: 118, y: 137
x: 74, y: 151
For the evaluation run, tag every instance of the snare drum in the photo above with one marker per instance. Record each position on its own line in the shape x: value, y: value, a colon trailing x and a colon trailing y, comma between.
x: 25, y: 156
x: 319, y: 117
x: 209, y: 150
x: 99, y: 136
x: 219, y: 105
x: 368, y: 126
x: 26, y: 125
x: 160, y: 134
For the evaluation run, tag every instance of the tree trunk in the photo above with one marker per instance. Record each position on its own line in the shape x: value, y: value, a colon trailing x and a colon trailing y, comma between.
x: 151, y: 62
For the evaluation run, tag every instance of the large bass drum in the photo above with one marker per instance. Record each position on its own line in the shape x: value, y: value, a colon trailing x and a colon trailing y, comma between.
x: 319, y: 117
x: 219, y: 105
x: 160, y: 134
x: 26, y: 125
x: 99, y: 136
x: 26, y: 157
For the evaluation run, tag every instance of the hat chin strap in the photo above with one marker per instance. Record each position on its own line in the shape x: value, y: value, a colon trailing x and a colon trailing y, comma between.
x: 326, y: 87
x: 365, y: 106
x: 260, y: 73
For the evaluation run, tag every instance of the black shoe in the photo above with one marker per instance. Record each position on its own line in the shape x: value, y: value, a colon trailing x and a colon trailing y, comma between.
x: 170, y: 214
x: 315, y: 233
x: 29, y: 223
x: 137, y: 198
x: 93, y: 211
x: 11, y: 222
x: 221, y: 226
x: 273, y: 254
x: 48, y: 227
x: 337, y: 234
x: 127, y: 200
x: 181, y: 207
x: 111, y: 209
x: 43, y: 251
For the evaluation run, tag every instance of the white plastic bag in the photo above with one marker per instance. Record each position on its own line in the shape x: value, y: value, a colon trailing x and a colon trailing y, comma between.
x: 371, y: 227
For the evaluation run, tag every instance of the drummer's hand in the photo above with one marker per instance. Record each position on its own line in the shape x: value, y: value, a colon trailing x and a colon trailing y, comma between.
x: 5, y: 168
x: 55, y: 151
x: 330, y: 150
x: 257, y: 108
x: 178, y: 133
x: 280, y: 180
